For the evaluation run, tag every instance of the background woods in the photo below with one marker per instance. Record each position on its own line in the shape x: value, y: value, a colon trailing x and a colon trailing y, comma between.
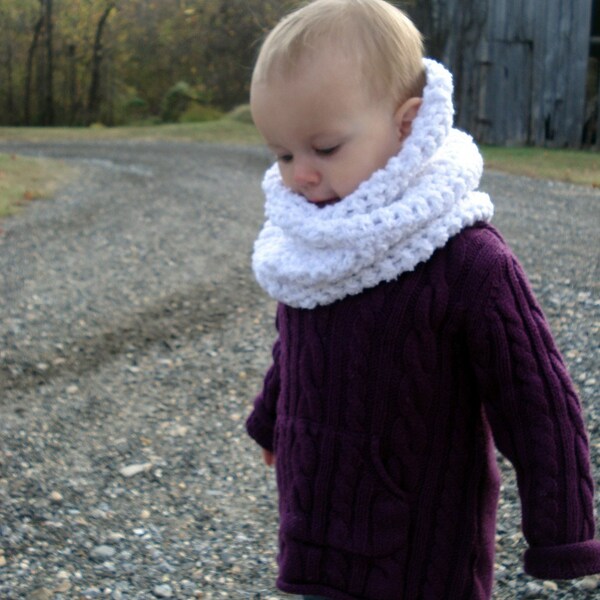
x: 526, y: 73
x: 75, y: 62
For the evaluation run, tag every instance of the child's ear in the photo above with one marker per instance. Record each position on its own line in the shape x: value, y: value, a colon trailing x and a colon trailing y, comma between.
x: 405, y: 115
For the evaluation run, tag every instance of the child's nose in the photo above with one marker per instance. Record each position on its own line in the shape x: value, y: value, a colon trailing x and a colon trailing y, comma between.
x: 305, y: 173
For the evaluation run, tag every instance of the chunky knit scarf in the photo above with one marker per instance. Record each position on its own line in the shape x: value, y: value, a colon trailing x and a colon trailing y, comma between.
x: 307, y: 255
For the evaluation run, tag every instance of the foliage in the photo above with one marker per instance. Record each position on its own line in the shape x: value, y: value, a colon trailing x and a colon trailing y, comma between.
x: 134, y: 109
x: 112, y: 60
x: 241, y: 113
x: 200, y: 113
x: 176, y: 101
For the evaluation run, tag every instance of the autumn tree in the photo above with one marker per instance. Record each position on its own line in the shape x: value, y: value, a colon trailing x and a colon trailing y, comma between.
x: 37, y: 29
x: 95, y: 97
x: 79, y: 61
x: 233, y: 31
x: 48, y: 112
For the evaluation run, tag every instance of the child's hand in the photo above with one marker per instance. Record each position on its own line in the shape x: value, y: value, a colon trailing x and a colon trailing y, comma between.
x: 268, y: 457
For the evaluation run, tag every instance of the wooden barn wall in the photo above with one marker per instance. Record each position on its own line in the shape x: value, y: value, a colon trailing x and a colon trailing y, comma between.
x: 520, y: 68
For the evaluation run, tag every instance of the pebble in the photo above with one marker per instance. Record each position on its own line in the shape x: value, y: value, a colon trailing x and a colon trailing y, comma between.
x: 590, y: 583
x: 64, y: 585
x: 163, y: 591
x: 102, y: 553
x: 41, y: 594
x: 551, y: 586
x: 533, y: 590
x: 136, y: 469
x: 56, y: 497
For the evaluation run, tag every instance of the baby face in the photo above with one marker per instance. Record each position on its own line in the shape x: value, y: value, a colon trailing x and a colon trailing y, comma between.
x: 327, y: 132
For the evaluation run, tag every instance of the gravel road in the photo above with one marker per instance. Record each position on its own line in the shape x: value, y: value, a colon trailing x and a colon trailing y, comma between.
x: 132, y: 339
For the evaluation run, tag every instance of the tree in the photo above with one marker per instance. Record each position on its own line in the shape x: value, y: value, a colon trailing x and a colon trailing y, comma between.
x: 97, y: 55
x: 48, y: 103
x: 29, y: 69
x: 233, y: 32
x: 72, y: 62
x: 8, y: 62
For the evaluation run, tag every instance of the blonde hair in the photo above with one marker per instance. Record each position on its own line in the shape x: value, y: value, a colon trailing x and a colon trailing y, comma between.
x: 383, y: 41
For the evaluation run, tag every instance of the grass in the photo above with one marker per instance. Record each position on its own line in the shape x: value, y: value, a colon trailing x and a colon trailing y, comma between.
x: 25, y: 179
x: 225, y: 130
x: 574, y: 166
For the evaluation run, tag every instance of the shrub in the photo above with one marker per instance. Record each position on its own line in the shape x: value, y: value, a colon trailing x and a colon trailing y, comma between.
x: 136, y: 107
x: 176, y: 101
x: 198, y: 113
x: 241, y: 114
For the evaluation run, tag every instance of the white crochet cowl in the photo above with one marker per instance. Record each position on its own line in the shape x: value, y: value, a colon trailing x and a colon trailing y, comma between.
x: 307, y: 255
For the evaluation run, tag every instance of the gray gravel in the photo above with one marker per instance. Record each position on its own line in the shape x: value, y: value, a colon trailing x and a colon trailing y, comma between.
x: 132, y: 339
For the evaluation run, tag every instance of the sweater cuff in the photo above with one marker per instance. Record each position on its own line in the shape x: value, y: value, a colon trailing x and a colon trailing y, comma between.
x: 260, y: 429
x: 564, y: 562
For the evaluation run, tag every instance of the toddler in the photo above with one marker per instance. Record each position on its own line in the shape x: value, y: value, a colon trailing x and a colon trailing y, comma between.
x: 409, y: 340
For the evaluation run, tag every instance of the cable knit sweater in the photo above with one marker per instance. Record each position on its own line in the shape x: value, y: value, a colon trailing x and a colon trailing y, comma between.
x: 382, y: 409
x: 409, y: 339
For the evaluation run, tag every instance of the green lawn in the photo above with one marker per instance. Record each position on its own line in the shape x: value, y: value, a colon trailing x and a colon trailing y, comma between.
x: 223, y: 131
x: 582, y: 167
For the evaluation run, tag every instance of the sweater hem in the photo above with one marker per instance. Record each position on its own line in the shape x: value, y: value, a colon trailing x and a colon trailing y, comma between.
x: 314, y: 590
x: 567, y: 561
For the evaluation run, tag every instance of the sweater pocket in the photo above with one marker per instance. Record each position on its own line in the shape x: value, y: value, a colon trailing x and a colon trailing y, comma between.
x: 334, y: 492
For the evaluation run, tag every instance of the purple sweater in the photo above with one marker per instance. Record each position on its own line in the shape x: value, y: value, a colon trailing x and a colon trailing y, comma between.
x: 383, y: 409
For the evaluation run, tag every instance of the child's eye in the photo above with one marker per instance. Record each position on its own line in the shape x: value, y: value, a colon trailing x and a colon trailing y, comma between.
x: 326, y: 151
x: 285, y: 158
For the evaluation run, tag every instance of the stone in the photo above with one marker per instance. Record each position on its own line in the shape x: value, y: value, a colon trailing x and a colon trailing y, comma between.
x: 533, y: 590
x: 163, y: 591
x: 131, y: 470
x: 63, y: 586
x: 102, y: 553
x: 41, y: 594
x: 589, y: 584
x: 56, y: 497
x: 551, y: 586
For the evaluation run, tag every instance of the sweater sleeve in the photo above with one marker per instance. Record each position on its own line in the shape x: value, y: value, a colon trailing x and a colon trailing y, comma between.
x: 261, y: 422
x: 537, y: 423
